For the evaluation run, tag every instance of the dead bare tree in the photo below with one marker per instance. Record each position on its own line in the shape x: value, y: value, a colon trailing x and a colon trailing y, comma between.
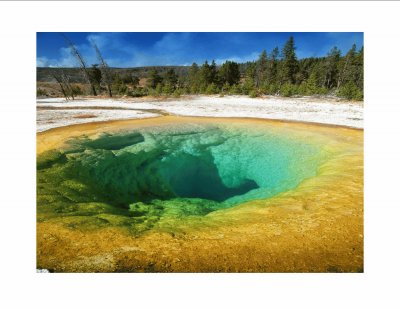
x: 61, y: 84
x: 82, y: 64
x: 64, y: 82
x: 67, y: 84
x: 105, y: 71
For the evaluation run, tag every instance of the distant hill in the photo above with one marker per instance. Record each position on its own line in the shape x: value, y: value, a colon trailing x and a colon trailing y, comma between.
x: 75, y: 75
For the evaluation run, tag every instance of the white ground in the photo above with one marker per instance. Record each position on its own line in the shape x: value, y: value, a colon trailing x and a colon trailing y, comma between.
x: 57, y: 112
x: 48, y: 119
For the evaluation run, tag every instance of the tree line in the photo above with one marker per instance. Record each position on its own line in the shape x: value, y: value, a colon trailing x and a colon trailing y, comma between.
x: 277, y: 72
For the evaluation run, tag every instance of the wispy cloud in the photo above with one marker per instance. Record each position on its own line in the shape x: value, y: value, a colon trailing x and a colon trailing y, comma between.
x: 240, y: 59
x: 173, y: 42
x: 66, y: 59
x: 171, y: 49
x: 43, y: 62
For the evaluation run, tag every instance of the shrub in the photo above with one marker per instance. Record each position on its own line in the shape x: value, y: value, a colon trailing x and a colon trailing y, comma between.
x: 253, y: 94
x: 167, y: 89
x: 248, y: 87
x: 350, y: 91
x: 302, y: 89
x: 177, y: 93
x: 323, y: 90
x: 194, y: 90
x: 202, y: 89
x: 310, y: 87
x: 151, y: 92
x: 288, y: 90
x: 76, y: 90
x: 41, y: 92
x: 212, y: 89
x: 158, y: 90
x: 271, y: 89
x: 137, y: 92
x: 120, y: 89
x: 235, y: 89
x: 225, y: 88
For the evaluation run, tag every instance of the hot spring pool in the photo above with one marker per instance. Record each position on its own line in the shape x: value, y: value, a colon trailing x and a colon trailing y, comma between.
x: 143, y: 175
x: 180, y: 194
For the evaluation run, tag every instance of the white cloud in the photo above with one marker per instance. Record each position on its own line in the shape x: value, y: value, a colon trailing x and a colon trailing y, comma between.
x: 173, y: 42
x: 240, y: 59
x: 42, y: 62
x: 66, y: 59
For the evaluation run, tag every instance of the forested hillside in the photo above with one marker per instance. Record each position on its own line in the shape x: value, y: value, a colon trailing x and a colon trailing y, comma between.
x: 276, y: 72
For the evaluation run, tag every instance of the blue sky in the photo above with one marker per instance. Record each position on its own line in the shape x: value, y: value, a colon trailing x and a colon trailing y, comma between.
x: 132, y: 49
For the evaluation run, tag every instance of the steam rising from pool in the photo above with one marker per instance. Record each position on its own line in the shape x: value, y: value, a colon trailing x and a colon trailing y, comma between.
x: 137, y: 178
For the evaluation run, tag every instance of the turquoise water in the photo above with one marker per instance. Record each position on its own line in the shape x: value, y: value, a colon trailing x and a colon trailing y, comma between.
x: 144, y: 175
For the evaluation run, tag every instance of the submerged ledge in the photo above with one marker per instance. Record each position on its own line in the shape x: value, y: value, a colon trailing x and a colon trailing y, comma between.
x: 57, y: 112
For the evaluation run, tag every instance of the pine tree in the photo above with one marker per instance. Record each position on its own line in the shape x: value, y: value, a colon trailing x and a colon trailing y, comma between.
x: 359, y: 70
x: 331, y: 68
x: 154, y: 79
x: 249, y: 78
x: 205, y: 75
x: 273, y: 69
x: 346, y: 66
x: 213, y: 73
x: 171, y: 79
x: 194, y: 78
x: 290, y: 65
x: 261, y: 69
x: 229, y: 73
